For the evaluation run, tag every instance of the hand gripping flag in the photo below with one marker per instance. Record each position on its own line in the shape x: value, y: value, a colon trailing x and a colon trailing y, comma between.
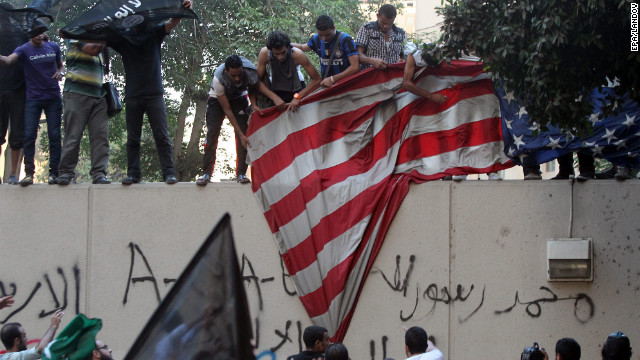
x: 331, y: 176
x: 205, y: 315
x: 76, y: 341
x: 615, y: 138
x: 117, y: 17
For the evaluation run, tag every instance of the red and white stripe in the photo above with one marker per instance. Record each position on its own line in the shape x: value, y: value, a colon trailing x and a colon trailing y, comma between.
x: 331, y: 176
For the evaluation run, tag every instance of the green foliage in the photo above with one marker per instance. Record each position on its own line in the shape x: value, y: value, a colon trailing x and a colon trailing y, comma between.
x: 551, y: 53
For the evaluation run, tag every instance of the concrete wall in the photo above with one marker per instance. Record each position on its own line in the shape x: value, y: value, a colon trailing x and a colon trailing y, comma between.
x: 457, y: 256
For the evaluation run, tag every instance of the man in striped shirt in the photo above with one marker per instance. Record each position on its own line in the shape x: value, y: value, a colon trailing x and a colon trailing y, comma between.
x: 84, y: 106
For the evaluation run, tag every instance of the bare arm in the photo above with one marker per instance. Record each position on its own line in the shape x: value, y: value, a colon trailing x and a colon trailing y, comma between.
x: 271, y: 95
x: 226, y: 107
x: 410, y: 86
x: 303, y: 47
x: 60, y: 73
x: 8, y: 60
x: 263, y: 60
x: 51, y: 331
x: 173, y: 22
x: 299, y: 58
x: 353, y: 68
x: 364, y: 59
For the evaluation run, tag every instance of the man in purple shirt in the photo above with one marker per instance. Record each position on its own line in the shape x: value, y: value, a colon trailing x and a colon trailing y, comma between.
x: 43, y: 69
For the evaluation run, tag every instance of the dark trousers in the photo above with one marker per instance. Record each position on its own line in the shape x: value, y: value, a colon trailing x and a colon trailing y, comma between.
x: 80, y: 112
x: 586, y: 164
x: 32, y: 111
x: 12, y: 116
x: 215, y: 116
x: 156, y: 111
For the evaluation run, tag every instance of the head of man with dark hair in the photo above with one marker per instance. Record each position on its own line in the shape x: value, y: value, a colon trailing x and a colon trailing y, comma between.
x: 324, y: 22
x: 418, y: 347
x: 277, y: 40
x: 316, y: 338
x: 567, y: 349
x: 14, y: 337
x: 388, y: 10
x: 416, y: 340
x: 617, y: 347
x: 233, y: 68
x: 336, y: 351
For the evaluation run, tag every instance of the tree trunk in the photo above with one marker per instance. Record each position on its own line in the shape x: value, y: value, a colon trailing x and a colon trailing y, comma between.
x: 177, y: 139
x: 193, y: 157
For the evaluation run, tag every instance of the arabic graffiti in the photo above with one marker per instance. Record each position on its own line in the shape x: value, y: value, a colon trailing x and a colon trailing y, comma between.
x: 534, y: 309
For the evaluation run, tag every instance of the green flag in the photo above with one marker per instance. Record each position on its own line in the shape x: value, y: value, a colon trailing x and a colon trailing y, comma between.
x: 76, y: 341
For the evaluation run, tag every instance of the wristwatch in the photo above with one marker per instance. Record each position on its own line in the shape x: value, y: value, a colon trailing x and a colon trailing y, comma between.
x: 297, y: 96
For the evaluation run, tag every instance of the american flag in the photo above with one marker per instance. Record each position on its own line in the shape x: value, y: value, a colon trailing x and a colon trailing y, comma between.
x: 615, y: 138
x: 331, y: 176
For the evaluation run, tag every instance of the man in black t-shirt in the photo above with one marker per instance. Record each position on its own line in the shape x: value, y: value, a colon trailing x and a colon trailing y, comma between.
x: 141, y: 56
x: 316, y: 340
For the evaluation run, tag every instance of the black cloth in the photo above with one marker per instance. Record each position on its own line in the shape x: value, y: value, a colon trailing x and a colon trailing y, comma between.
x: 284, y: 76
x: 142, y: 58
x: 586, y: 164
x: 306, y: 355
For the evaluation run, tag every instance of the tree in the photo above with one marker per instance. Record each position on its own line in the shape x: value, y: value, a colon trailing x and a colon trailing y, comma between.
x: 551, y: 53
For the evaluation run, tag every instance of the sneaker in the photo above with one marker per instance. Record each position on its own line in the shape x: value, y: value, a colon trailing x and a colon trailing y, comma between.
x: 459, y: 177
x: 493, y: 176
x: 203, y: 180
x: 170, y: 179
x: 585, y: 176
x: 561, y: 177
x: 64, y: 180
x: 27, y: 180
x: 533, y: 176
x: 610, y: 173
x: 52, y: 180
x: 131, y: 180
x: 242, y: 179
x: 13, y: 180
x: 101, y: 180
x: 624, y: 173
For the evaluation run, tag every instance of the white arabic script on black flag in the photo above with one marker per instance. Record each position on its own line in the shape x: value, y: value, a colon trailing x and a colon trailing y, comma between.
x: 120, y: 16
x: 205, y: 315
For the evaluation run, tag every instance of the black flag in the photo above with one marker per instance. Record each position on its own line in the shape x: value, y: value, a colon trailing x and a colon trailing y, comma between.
x: 205, y: 315
x: 120, y: 16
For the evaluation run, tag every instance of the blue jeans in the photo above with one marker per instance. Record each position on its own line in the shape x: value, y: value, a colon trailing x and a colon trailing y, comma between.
x: 32, y: 111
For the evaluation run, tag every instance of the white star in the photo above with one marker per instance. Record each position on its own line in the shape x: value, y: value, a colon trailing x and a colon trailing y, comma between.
x: 522, y: 111
x: 632, y: 155
x: 535, y: 126
x: 509, y: 124
x: 597, y: 150
x: 593, y: 119
x: 609, y: 135
x: 518, y: 141
x: 512, y: 152
x: 554, y: 143
x: 630, y: 121
x: 509, y: 97
x: 621, y: 144
x: 588, y: 144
